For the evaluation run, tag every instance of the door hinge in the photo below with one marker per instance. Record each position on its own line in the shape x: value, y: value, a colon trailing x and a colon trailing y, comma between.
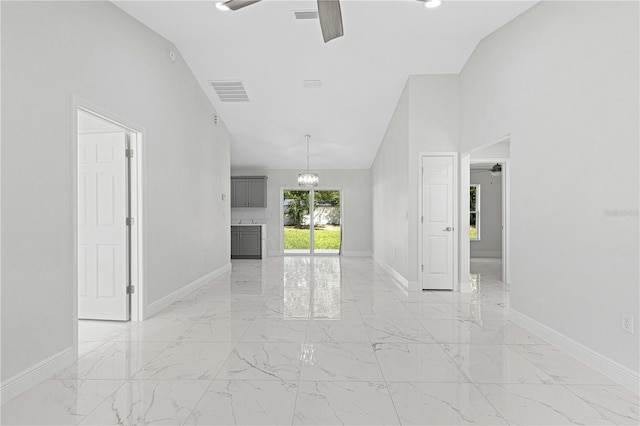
x: 422, y: 268
x: 131, y: 289
x: 128, y: 153
x: 131, y: 221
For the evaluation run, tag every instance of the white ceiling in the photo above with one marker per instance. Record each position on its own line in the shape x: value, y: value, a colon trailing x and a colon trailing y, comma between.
x: 362, y: 73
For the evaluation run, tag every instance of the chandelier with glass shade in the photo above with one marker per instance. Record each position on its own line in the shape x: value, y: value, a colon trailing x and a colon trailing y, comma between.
x: 308, y: 179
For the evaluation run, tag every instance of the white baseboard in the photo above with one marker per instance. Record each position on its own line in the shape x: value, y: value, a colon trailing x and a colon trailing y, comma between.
x: 395, y: 274
x: 30, y: 377
x: 610, y: 368
x: 159, y: 305
x: 356, y: 253
x: 414, y: 286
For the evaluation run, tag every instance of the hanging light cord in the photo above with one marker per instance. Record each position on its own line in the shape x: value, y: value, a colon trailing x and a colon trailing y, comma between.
x: 307, y: 136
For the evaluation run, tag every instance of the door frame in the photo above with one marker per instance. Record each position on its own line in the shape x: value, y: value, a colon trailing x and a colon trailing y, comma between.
x: 311, y: 219
x: 455, y: 224
x: 465, y: 178
x: 137, y: 247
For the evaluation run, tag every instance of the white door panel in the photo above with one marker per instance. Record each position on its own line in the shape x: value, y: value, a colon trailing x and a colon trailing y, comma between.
x: 438, y: 223
x: 102, y: 229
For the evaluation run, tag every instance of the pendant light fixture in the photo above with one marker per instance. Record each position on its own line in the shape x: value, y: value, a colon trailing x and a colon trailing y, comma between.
x: 496, y: 170
x: 308, y: 179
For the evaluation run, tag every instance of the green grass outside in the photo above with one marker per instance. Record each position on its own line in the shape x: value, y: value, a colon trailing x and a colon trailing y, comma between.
x: 472, y: 233
x: 299, y: 238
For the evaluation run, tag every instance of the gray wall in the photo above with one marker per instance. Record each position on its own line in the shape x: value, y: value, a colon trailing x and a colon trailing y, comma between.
x: 355, y: 203
x: 50, y: 52
x: 562, y: 79
x: 490, y: 244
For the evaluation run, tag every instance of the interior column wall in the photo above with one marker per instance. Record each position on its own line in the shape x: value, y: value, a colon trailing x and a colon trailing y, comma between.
x: 390, y: 193
x: 433, y: 127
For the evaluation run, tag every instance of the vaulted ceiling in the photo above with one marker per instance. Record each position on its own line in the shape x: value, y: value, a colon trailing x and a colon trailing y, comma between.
x: 361, y: 74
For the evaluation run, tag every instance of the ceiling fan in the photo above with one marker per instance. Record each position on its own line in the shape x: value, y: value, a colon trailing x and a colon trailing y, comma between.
x: 329, y: 14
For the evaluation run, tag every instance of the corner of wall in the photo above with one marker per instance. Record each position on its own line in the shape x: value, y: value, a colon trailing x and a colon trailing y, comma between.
x: 157, y: 306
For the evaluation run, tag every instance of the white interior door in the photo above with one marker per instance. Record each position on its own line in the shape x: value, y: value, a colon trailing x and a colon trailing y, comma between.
x: 102, y: 229
x: 438, y: 223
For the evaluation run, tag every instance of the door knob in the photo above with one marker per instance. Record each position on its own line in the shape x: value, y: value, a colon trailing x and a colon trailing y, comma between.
x: 448, y: 229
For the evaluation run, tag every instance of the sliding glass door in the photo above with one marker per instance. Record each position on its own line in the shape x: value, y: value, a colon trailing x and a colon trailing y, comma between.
x: 311, y: 221
x: 296, y: 207
x: 326, y: 224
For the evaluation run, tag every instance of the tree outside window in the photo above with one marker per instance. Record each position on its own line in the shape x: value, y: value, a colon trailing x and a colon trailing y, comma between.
x: 474, y: 211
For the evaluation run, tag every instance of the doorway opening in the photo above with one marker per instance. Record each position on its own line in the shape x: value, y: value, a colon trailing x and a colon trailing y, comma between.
x: 485, y: 215
x: 108, y: 229
x: 311, y: 221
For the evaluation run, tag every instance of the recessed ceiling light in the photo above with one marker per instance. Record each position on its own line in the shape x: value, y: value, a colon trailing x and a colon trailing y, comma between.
x: 431, y: 4
x: 222, y: 6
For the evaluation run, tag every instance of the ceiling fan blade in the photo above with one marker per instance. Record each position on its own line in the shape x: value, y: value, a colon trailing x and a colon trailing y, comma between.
x: 238, y: 4
x: 330, y: 19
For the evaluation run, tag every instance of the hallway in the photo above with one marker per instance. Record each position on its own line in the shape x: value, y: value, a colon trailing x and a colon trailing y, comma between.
x: 327, y: 340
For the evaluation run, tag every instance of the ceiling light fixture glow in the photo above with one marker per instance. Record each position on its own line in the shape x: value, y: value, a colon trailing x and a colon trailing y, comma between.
x: 222, y: 5
x: 432, y: 4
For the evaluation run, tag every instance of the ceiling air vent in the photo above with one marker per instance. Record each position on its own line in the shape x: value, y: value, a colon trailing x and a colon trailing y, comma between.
x: 230, y: 91
x: 306, y: 14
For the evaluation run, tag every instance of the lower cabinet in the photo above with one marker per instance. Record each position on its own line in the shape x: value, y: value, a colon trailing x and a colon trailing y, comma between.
x: 246, y: 242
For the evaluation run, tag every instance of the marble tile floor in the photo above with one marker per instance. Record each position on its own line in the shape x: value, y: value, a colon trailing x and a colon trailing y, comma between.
x: 323, y: 341
x: 92, y: 334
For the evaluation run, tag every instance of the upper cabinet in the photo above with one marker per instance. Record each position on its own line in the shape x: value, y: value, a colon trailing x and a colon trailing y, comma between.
x: 248, y: 191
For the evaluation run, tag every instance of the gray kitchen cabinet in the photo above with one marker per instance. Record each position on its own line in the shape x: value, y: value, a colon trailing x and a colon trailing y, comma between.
x: 246, y: 242
x: 248, y: 191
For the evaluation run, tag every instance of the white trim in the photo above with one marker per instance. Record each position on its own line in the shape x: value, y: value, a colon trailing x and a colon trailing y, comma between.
x: 30, y: 377
x: 394, y: 274
x: 610, y: 368
x: 464, y: 244
x: 356, y: 253
x: 506, y: 221
x: 159, y: 305
x: 455, y: 220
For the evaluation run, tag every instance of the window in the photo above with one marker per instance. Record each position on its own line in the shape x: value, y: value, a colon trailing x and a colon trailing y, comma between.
x: 474, y: 211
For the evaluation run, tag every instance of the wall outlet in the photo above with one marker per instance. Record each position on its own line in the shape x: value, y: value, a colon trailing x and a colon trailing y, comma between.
x: 627, y: 323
